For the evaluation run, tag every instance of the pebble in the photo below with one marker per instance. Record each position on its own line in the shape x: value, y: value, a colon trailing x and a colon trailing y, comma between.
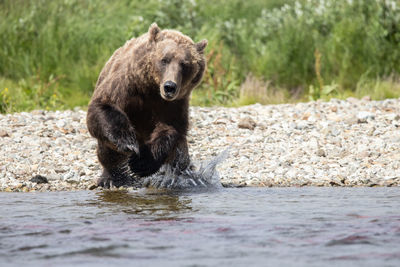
x: 39, y: 179
x: 337, y: 143
x: 3, y: 133
x: 247, y: 123
x: 364, y: 116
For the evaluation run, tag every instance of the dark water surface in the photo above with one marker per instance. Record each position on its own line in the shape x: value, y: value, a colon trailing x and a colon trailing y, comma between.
x: 230, y: 227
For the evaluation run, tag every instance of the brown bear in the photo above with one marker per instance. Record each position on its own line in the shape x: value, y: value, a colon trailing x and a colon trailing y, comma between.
x: 139, y: 108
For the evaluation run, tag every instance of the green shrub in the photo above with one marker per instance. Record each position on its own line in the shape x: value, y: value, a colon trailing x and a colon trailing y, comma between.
x: 69, y: 41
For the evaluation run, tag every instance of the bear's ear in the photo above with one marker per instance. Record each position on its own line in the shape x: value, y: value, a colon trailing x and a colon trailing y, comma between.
x: 201, y: 45
x: 153, y: 32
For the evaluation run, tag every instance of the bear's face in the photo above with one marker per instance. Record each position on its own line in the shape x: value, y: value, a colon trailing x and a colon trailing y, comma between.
x: 175, y: 69
x: 178, y: 63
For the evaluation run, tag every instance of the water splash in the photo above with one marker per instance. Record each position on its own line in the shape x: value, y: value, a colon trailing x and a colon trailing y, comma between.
x: 205, y: 177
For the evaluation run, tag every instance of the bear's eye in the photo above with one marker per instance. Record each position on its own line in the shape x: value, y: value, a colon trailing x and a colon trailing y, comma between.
x: 184, y: 65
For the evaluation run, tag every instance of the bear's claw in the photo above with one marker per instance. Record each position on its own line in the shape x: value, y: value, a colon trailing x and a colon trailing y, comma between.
x: 128, y: 148
x: 114, y: 179
x: 125, y: 144
x: 105, y: 182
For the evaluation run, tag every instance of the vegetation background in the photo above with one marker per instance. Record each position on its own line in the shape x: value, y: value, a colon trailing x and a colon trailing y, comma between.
x: 268, y: 51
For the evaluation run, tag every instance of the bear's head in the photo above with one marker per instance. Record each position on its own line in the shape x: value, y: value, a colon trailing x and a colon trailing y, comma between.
x: 178, y: 62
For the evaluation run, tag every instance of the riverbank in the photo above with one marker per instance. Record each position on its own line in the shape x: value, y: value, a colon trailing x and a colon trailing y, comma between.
x: 337, y: 143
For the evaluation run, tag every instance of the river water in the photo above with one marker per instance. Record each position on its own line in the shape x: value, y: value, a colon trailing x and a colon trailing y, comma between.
x: 228, y: 227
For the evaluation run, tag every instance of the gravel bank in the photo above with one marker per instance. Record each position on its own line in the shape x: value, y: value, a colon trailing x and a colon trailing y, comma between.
x: 337, y: 143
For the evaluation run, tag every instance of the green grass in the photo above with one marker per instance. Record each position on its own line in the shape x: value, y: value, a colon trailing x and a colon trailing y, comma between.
x: 52, y: 51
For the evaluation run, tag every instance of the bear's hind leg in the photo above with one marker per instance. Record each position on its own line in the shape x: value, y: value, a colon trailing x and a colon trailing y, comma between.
x: 116, y: 172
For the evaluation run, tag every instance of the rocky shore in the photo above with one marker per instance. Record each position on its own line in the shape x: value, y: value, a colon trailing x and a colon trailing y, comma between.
x: 337, y: 143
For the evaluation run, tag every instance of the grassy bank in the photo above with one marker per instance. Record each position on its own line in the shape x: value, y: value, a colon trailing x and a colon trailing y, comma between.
x: 272, y: 51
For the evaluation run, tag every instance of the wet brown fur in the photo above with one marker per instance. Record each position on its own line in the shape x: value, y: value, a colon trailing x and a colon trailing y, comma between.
x: 138, y: 129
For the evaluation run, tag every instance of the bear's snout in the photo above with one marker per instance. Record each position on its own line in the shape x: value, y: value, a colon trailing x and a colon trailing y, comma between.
x: 170, y: 89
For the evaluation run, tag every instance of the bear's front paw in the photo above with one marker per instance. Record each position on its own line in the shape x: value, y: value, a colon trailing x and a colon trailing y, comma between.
x: 125, y: 143
x: 144, y: 164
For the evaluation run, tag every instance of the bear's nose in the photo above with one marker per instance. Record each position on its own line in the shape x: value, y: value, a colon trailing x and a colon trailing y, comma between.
x: 169, y: 88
